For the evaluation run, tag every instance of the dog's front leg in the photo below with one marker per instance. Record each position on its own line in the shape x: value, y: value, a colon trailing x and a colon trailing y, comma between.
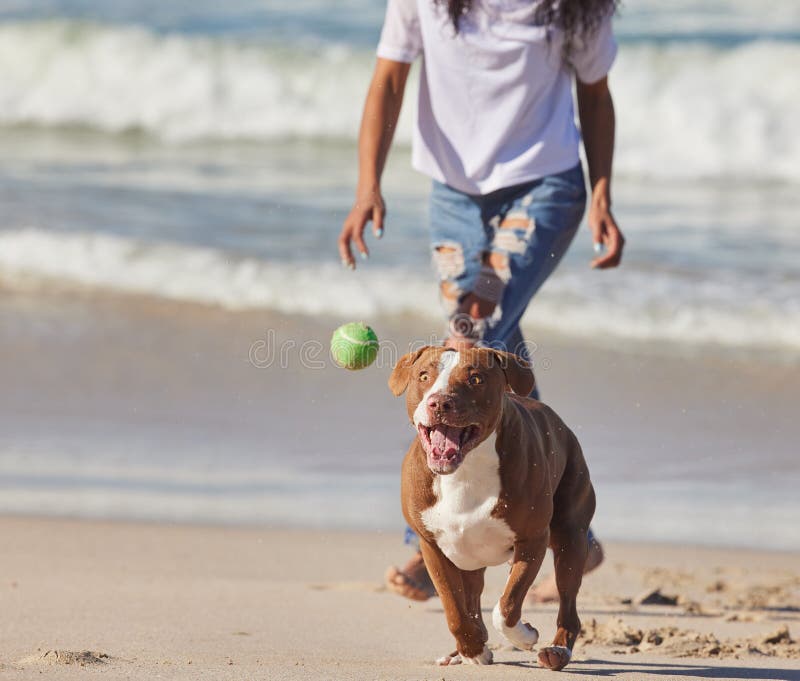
x: 507, y: 614
x: 469, y: 632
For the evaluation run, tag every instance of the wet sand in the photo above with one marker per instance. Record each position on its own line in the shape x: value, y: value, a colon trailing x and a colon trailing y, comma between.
x: 132, y: 408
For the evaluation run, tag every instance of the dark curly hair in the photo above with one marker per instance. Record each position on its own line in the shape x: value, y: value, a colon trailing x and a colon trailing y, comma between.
x: 571, y: 16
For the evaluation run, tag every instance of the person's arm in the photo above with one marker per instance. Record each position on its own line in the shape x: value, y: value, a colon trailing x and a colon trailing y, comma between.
x: 596, y: 111
x: 381, y: 111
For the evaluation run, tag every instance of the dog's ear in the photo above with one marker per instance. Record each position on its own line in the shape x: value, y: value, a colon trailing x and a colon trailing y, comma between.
x: 401, y: 374
x: 519, y: 372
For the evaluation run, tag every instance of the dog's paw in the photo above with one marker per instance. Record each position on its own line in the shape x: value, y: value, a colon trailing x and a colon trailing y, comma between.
x: 484, y: 657
x: 554, y: 657
x: 449, y: 660
x: 522, y: 635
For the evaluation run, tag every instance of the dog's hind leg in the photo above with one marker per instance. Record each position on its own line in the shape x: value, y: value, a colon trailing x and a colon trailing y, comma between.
x: 573, y: 511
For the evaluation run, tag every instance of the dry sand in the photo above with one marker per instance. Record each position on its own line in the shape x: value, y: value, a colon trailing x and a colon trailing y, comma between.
x: 117, y: 600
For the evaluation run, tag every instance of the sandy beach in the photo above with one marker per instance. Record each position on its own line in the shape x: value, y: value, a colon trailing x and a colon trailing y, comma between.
x: 191, y: 488
x: 120, y: 600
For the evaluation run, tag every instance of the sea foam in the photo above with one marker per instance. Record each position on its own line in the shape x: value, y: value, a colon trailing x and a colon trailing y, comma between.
x: 686, y: 109
x: 637, y: 304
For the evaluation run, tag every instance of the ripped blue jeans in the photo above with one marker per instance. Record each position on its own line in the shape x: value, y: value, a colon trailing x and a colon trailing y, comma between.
x: 501, y: 247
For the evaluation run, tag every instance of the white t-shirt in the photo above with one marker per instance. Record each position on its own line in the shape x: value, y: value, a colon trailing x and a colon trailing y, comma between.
x: 495, y: 99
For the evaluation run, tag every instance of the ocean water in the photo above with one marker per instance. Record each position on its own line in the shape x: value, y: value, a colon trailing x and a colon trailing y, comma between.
x: 202, y: 156
x: 188, y: 126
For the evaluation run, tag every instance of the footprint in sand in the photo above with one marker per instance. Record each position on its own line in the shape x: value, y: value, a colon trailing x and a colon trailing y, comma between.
x: 83, y: 658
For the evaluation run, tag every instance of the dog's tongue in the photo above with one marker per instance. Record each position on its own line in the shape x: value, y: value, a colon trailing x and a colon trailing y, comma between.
x: 445, y: 439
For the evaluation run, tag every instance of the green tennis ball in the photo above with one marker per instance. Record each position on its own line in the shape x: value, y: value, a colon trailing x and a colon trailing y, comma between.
x: 354, y: 346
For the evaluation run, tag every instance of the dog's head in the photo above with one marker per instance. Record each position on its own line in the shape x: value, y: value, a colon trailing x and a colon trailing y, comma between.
x: 455, y: 398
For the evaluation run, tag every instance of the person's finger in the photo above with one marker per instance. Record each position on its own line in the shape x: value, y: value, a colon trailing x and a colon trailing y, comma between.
x: 606, y: 244
x: 610, y: 259
x: 596, y: 228
x: 604, y: 262
x: 358, y: 239
x: 610, y: 232
x: 613, y: 257
x: 345, y: 253
x: 377, y: 221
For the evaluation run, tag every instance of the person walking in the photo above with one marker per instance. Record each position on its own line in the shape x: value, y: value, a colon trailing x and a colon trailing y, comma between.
x: 496, y: 133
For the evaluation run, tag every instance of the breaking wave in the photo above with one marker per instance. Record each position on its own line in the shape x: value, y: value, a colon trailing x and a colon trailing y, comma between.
x: 686, y: 110
x: 662, y: 306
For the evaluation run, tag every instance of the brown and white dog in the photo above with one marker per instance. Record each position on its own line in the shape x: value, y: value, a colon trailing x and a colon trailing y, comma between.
x: 492, y: 477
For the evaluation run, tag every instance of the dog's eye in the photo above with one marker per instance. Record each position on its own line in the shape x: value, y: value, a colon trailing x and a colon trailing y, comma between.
x: 423, y: 376
x: 475, y: 379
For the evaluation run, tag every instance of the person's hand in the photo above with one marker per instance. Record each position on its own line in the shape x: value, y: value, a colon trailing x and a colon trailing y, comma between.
x: 605, y: 235
x: 368, y: 206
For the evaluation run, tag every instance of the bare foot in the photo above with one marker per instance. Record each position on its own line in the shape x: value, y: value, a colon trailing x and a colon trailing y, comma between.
x: 413, y: 581
x: 547, y: 592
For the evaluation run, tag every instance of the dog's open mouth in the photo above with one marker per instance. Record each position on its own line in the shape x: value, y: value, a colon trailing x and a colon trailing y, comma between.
x: 446, y: 445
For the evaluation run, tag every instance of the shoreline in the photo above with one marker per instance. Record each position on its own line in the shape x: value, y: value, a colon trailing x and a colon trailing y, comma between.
x: 186, y: 602
x: 395, y: 534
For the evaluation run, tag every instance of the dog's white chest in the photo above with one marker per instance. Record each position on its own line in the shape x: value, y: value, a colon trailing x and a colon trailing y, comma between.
x: 461, y: 519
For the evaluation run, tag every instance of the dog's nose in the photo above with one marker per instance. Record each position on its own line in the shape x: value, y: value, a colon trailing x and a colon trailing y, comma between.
x: 441, y: 403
